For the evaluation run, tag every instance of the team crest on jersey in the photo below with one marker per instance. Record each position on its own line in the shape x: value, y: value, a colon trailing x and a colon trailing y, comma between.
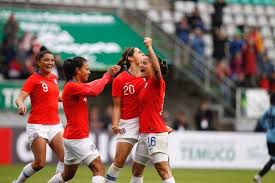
x: 146, y: 84
x: 55, y: 81
x: 85, y: 99
x: 122, y: 131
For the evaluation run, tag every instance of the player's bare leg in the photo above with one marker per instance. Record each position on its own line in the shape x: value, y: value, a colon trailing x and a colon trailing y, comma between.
x: 164, y: 172
x: 98, y: 170
x: 137, y: 173
x: 57, y: 146
x: 123, y: 149
x: 39, y: 151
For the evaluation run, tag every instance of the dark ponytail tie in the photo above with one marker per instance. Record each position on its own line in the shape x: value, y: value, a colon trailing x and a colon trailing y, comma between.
x: 43, y: 48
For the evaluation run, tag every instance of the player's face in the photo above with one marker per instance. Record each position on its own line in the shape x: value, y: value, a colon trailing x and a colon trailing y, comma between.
x: 84, y: 72
x: 137, y: 56
x: 46, y: 63
x: 146, y: 67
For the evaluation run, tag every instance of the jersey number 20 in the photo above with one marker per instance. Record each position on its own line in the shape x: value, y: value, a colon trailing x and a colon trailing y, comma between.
x: 128, y: 89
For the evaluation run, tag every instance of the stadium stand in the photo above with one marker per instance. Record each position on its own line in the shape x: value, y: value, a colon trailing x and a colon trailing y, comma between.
x: 160, y: 20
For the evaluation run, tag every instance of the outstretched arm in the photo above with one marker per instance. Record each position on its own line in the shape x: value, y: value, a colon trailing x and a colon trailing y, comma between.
x: 107, y: 77
x: 95, y: 87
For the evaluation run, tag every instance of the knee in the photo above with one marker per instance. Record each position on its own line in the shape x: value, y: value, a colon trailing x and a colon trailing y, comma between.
x: 98, y: 170
x: 38, y: 165
x: 119, y: 162
x: 164, y: 172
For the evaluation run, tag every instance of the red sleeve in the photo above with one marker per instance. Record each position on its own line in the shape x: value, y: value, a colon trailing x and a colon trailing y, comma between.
x: 28, y: 85
x: 156, y: 82
x: 93, y: 88
x: 117, y: 88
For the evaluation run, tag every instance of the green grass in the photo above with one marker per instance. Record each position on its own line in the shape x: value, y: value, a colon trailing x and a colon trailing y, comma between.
x: 8, y: 173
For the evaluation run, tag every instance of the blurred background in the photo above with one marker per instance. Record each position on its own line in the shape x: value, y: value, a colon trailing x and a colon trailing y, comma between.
x: 221, y: 57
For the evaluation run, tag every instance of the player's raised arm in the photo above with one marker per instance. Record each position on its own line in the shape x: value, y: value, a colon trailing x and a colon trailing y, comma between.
x: 155, y: 63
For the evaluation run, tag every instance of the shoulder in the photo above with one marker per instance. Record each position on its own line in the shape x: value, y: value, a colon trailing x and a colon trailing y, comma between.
x: 33, y: 78
x: 123, y: 74
x: 53, y: 76
x: 121, y: 77
x: 69, y: 84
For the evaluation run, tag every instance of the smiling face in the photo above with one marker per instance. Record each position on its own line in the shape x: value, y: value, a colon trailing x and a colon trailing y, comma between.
x: 46, y: 64
x: 83, y: 72
x: 146, y: 67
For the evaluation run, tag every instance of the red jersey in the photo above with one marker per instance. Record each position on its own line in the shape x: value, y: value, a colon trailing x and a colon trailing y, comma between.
x: 127, y: 87
x: 44, y: 95
x: 151, y: 105
x: 76, y: 108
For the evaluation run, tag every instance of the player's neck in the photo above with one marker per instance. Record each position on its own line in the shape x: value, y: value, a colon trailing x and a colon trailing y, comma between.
x: 45, y: 74
x: 135, y: 71
x: 77, y: 79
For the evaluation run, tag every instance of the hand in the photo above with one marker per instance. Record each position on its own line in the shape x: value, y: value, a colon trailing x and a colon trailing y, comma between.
x: 169, y: 129
x: 116, y: 130
x: 148, y: 42
x: 114, y: 69
x: 22, y: 110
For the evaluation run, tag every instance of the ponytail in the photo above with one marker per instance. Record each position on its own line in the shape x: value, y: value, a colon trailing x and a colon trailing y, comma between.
x: 70, y: 66
x: 67, y: 69
x: 123, y: 61
x: 163, y: 67
x: 43, y: 50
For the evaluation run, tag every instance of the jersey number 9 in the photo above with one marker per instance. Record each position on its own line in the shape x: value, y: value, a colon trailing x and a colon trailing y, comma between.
x: 45, y: 87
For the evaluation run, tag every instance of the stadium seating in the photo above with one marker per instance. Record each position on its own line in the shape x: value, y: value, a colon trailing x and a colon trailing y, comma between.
x: 234, y: 15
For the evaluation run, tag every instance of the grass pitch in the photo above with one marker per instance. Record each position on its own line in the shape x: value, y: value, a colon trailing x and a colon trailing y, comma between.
x: 8, y: 173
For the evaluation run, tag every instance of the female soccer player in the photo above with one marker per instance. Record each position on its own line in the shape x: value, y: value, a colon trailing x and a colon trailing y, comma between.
x: 78, y: 147
x: 43, y: 124
x: 125, y: 89
x: 153, y: 140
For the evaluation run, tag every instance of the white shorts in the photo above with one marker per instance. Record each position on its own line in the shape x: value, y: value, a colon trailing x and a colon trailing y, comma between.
x: 130, y: 130
x: 152, y: 146
x: 79, y: 150
x: 45, y: 131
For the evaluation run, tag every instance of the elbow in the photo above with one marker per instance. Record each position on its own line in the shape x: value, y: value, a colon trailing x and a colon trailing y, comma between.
x: 95, y: 94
